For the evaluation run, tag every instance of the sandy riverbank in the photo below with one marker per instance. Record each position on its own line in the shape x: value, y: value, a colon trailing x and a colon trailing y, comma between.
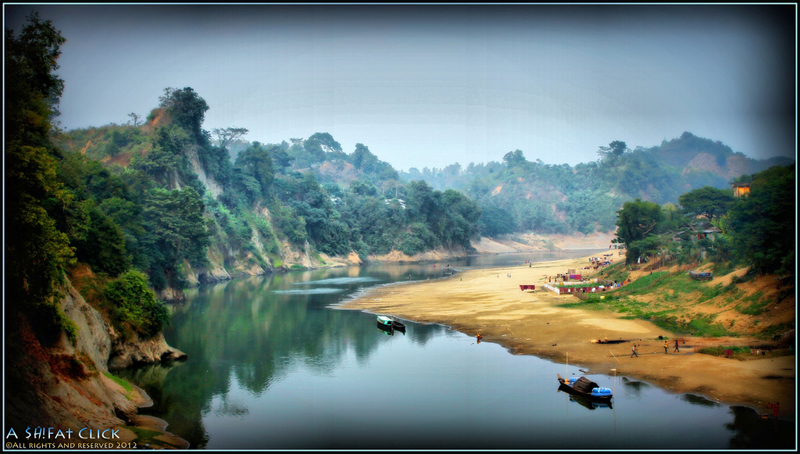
x: 529, y: 322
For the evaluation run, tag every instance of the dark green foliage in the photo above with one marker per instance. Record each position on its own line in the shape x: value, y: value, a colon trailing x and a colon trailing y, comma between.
x: 216, y: 162
x: 103, y: 246
x: 636, y: 221
x: 648, y: 246
x: 255, y: 165
x: 127, y: 214
x: 613, y: 152
x: 176, y: 230
x: 363, y: 188
x: 514, y: 159
x: 131, y: 302
x: 280, y: 157
x: 763, y: 223
x: 32, y: 88
x: 36, y: 251
x: 187, y: 110
x: 496, y: 220
x: 167, y: 155
x: 416, y: 239
x: 706, y: 201
x: 293, y: 226
x: 362, y: 158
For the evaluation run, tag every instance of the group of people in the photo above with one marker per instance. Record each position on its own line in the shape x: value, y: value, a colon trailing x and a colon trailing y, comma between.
x: 634, y: 349
x: 774, y: 407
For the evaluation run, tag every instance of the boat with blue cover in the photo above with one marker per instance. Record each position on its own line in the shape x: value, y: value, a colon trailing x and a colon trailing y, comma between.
x: 586, y: 388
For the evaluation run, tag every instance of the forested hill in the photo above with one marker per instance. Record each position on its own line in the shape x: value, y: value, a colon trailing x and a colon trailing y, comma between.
x: 518, y: 195
x: 183, y: 203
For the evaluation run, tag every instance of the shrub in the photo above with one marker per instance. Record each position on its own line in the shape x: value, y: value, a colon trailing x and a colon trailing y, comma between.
x: 131, y: 301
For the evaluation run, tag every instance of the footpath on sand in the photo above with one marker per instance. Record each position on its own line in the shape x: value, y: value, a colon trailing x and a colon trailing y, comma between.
x: 489, y: 302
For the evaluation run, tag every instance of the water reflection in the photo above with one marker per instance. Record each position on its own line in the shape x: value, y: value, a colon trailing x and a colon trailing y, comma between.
x: 310, y: 291
x: 750, y: 429
x: 591, y: 405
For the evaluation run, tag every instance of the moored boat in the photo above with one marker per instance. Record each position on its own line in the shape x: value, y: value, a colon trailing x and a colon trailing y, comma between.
x: 700, y: 276
x: 585, y: 388
x: 386, y: 328
x: 398, y: 326
x: 389, y: 323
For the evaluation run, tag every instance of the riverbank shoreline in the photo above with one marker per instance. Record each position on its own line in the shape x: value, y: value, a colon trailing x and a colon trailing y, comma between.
x: 489, y: 302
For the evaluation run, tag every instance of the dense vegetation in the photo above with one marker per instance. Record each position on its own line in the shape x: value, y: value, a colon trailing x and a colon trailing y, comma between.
x: 756, y: 230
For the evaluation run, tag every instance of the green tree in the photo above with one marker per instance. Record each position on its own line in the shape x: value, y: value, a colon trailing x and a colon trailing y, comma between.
x: 706, y: 201
x: 167, y: 155
x: 362, y: 158
x: 256, y: 162
x: 32, y: 87
x: 103, y: 246
x: 176, y: 231
x: 363, y: 188
x: 496, y: 220
x: 280, y: 157
x: 187, y: 110
x: 763, y: 225
x: 36, y: 251
x: 226, y: 136
x: 132, y: 303
x: 514, y: 158
x: 636, y: 221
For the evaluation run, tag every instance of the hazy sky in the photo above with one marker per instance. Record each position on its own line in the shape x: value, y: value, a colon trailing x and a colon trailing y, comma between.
x: 425, y: 85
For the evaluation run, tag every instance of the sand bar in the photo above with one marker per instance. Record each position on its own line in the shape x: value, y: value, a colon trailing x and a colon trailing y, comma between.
x: 489, y: 302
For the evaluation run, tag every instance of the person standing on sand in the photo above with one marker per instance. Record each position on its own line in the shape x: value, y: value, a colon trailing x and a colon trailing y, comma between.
x: 666, y: 347
x: 633, y: 351
x: 676, y: 347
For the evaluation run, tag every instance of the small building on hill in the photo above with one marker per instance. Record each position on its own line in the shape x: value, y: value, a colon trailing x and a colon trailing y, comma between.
x: 741, y: 189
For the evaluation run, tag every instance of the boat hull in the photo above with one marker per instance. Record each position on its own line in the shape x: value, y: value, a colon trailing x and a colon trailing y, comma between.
x: 385, y: 328
x: 606, y: 399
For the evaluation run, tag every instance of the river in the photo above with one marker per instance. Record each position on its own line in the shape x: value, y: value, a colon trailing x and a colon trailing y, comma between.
x: 272, y: 366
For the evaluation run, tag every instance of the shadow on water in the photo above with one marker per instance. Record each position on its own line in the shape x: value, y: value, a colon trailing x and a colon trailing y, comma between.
x: 699, y: 400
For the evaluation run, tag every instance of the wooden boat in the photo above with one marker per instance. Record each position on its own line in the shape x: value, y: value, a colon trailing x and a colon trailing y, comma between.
x: 385, y: 322
x: 606, y: 341
x: 386, y: 329
x: 700, y: 276
x: 585, y: 388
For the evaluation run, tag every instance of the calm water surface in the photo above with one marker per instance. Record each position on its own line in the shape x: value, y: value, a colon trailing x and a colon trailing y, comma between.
x: 272, y: 366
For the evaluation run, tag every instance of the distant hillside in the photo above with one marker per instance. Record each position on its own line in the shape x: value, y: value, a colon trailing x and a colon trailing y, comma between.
x: 520, y: 195
x: 697, y: 153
